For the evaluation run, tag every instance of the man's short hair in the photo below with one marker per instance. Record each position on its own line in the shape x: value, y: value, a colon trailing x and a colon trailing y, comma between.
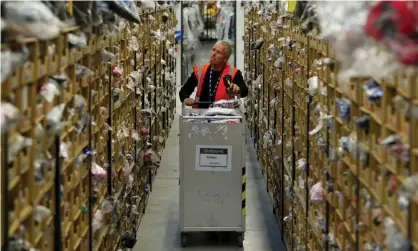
x: 227, y: 46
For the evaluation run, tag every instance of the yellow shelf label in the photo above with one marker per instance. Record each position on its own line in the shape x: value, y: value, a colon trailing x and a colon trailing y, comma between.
x: 70, y: 7
x: 291, y: 5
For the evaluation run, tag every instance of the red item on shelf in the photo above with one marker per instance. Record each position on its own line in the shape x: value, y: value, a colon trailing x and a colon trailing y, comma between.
x: 144, y: 131
x: 395, y: 24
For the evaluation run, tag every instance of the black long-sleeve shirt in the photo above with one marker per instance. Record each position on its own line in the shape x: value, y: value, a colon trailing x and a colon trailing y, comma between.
x: 188, y: 88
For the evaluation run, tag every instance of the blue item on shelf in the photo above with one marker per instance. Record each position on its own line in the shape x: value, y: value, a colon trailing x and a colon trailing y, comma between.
x: 179, y: 35
x: 344, y: 108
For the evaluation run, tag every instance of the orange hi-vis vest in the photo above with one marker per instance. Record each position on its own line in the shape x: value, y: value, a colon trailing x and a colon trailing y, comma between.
x: 221, y: 91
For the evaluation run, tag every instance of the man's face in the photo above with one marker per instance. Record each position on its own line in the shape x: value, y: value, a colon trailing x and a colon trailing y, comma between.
x: 218, y: 55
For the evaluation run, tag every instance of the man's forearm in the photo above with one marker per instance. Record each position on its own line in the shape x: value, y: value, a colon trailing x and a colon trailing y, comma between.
x: 188, y: 88
x: 244, y: 91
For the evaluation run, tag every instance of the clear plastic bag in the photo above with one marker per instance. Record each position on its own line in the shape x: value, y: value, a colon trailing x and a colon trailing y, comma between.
x: 98, y: 220
x: 233, y: 103
x: 108, y: 56
x: 220, y: 112
x: 395, y: 240
x: 16, y: 145
x: 78, y: 40
x: 99, y: 174
x: 151, y: 157
x: 49, y: 91
x: 343, y: 23
x: 32, y: 18
x: 11, y: 61
x: 267, y: 140
x: 190, y: 33
x: 9, y: 115
x: 41, y: 212
x: 82, y: 71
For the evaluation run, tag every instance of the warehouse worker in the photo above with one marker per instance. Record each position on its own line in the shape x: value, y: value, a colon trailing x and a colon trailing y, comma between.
x: 209, y: 79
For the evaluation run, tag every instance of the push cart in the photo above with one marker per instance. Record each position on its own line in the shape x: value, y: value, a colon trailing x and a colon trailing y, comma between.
x: 212, y: 173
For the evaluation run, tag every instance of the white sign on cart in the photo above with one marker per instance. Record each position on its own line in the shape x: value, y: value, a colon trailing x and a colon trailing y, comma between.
x: 213, y: 158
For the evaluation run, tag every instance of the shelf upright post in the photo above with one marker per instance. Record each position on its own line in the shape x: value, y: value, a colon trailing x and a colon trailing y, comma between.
x: 109, y: 135
x: 5, y: 192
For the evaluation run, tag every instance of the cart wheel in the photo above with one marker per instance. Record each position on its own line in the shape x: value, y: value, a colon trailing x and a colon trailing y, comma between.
x: 240, y: 240
x: 183, y: 239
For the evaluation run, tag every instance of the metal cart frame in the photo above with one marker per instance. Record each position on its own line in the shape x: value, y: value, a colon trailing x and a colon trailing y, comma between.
x: 212, y: 175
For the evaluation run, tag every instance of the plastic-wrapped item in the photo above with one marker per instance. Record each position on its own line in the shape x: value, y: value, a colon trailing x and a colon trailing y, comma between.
x: 60, y: 79
x: 395, y: 240
x: 40, y: 213
x: 343, y: 24
x: 256, y: 45
x: 396, y: 147
x: 126, y: 9
x: 65, y: 148
x: 288, y: 218
x: 78, y: 40
x: 16, y: 145
x: 273, y: 102
x: 98, y: 220
x: 133, y: 43
x: 191, y: 30
x: 305, y: 11
x: 80, y: 103
x: 49, y: 91
x: 108, y: 57
x: 225, y: 23
x: 99, y: 174
x: 373, y: 91
x: 151, y: 157
x: 9, y: 115
x: 279, y: 62
x: 313, y: 85
x: 408, y: 191
x: 31, y: 18
x: 11, y: 61
x: 344, y: 105
x: 158, y: 35
x: 267, y: 139
x: 301, y: 164
x: 394, y: 23
x: 221, y: 121
x: 147, y: 4
x: 54, y: 116
x: 232, y: 103
x: 220, y: 111
x: 82, y: 71
x: 20, y: 244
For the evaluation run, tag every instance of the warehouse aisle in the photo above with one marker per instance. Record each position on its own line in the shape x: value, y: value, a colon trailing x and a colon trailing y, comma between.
x: 159, y: 228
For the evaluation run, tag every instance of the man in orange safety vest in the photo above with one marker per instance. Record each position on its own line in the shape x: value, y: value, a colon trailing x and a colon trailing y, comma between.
x: 209, y: 79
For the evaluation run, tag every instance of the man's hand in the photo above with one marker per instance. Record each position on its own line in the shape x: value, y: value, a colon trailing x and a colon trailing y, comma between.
x: 189, y: 101
x: 235, y: 89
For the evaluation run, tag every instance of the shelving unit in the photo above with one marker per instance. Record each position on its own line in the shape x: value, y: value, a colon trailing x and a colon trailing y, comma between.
x: 330, y: 137
x: 55, y: 196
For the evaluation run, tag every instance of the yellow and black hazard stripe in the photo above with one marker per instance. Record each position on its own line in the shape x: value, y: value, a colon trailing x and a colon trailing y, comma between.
x: 243, y: 190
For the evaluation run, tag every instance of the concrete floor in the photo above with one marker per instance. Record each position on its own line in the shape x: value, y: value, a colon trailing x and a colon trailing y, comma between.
x: 159, y: 228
